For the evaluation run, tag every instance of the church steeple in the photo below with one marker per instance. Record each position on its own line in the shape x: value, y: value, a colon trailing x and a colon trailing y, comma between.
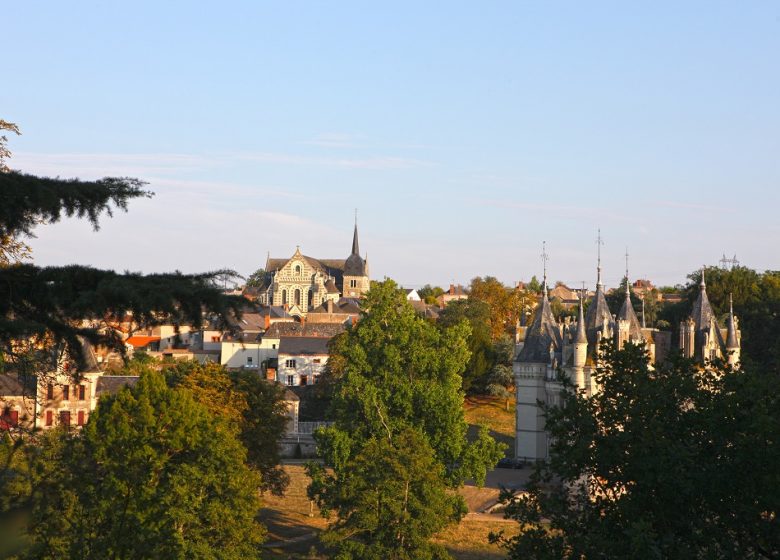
x: 355, y: 246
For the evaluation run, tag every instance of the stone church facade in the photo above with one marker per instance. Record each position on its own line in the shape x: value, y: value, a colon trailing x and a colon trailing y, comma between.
x: 571, y: 349
x: 301, y: 283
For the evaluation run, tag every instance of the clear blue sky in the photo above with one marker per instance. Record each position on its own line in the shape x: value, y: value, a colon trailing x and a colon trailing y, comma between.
x: 466, y: 133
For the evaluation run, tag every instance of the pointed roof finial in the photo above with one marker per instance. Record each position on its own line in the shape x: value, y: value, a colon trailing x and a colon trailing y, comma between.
x: 628, y: 285
x: 355, y: 245
x: 702, y: 284
x: 545, y: 257
x: 599, y: 243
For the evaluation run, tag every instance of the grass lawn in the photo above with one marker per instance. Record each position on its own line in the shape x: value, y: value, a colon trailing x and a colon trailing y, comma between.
x: 492, y: 412
x: 292, y: 531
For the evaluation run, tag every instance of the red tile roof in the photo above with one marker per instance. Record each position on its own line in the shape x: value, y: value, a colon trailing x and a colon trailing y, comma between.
x: 141, y: 341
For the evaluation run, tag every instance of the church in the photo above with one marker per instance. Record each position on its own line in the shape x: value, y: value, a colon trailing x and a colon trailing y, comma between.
x: 571, y: 349
x: 301, y: 284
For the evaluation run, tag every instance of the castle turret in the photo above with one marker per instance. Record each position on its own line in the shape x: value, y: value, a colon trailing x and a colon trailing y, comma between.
x: 732, y: 339
x: 535, y: 362
x: 580, y: 350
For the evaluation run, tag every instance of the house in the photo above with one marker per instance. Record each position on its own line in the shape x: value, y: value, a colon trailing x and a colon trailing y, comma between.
x: 301, y: 359
x: 411, y: 294
x: 345, y: 310
x: 453, y: 294
x: 17, y: 403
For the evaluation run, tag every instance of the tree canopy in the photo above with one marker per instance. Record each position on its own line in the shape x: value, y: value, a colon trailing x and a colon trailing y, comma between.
x: 152, y: 474
x: 674, y: 461
x: 396, y: 373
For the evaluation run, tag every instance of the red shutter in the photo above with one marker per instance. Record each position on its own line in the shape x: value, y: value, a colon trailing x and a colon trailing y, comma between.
x: 65, y: 392
x: 65, y: 417
x: 81, y: 418
x: 49, y: 418
x: 13, y: 416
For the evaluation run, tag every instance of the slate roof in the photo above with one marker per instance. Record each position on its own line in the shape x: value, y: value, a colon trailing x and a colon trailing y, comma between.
x: 627, y: 313
x: 542, y: 336
x: 10, y: 386
x: 303, y: 345
x: 355, y: 265
x: 597, y: 316
x: 110, y: 384
x: 731, y: 339
x: 321, y: 330
x: 343, y: 305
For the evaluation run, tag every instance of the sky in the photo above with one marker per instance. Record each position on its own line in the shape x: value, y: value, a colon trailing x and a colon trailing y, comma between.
x: 465, y: 134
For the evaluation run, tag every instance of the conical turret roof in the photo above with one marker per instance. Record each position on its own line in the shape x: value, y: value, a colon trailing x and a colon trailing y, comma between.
x: 542, y: 337
x: 627, y: 313
x: 732, y: 343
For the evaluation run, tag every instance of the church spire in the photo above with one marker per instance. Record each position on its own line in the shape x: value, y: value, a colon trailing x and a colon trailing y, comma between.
x: 544, y: 267
x: 355, y: 246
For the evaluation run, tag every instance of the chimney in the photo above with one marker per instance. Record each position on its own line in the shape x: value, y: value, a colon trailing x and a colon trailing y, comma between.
x: 330, y: 306
x: 452, y: 289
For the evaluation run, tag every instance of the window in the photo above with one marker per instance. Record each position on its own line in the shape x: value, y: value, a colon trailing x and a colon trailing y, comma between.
x: 66, y: 392
x: 65, y: 417
x: 297, y: 296
x: 304, y: 379
x: 291, y: 380
x: 353, y: 283
x: 81, y: 418
x: 49, y: 418
x: 9, y: 419
x: 50, y: 392
x: 249, y: 360
x: 214, y: 339
x: 284, y: 297
x: 317, y: 360
x: 273, y: 346
x: 82, y: 392
x: 290, y: 364
x: 297, y: 269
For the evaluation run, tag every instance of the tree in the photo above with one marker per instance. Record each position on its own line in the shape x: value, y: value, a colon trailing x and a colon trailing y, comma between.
x: 501, y: 379
x: 257, y: 279
x: 673, y: 462
x: 429, y: 293
x: 534, y: 285
x: 395, y: 373
x: 504, y: 303
x: 253, y: 408
x: 477, y: 313
x: 153, y: 474
x: 394, y: 498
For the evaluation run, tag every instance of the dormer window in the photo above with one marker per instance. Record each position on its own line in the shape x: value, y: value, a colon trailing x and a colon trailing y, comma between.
x: 297, y: 270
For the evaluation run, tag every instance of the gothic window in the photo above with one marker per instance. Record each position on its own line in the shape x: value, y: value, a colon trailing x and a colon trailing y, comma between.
x: 284, y: 297
x: 297, y: 296
x: 297, y: 270
x: 311, y: 298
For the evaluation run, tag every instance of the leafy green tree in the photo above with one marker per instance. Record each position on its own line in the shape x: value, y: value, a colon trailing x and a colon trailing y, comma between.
x: 396, y: 373
x: 252, y: 407
x: 429, y: 293
x: 393, y: 498
x: 257, y: 279
x: 534, y: 285
x: 500, y: 383
x: 153, y: 475
x: 477, y: 314
x: 504, y: 303
x: 674, y: 461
